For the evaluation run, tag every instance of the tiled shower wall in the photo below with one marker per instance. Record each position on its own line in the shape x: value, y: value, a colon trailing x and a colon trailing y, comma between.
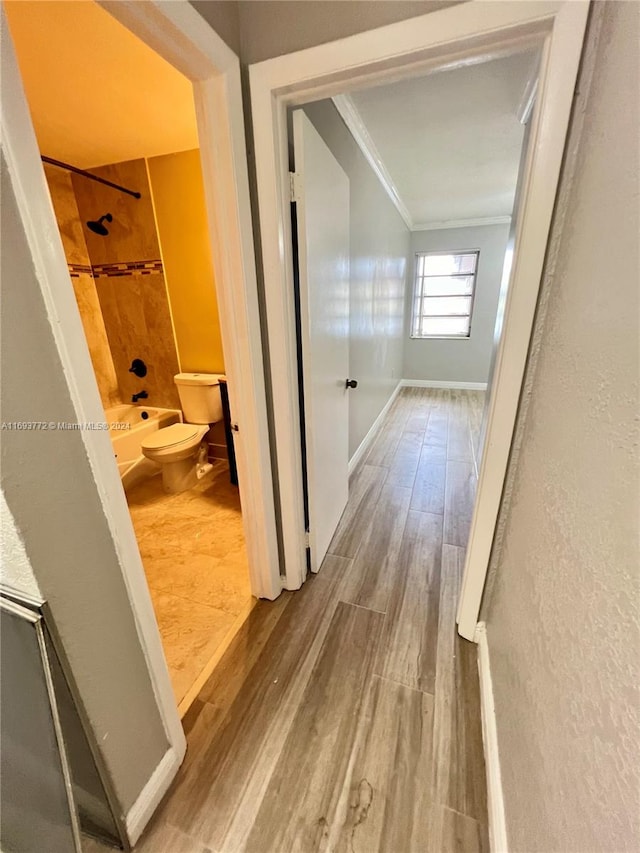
x: 75, y: 248
x: 119, y: 281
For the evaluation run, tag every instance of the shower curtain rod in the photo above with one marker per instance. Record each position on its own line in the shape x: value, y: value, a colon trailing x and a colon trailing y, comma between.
x: 85, y: 174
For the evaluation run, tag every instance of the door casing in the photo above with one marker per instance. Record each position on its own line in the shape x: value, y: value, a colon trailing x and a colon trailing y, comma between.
x: 457, y: 36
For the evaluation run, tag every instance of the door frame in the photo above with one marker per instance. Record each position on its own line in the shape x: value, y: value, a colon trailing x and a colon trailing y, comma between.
x: 181, y: 36
x: 452, y: 37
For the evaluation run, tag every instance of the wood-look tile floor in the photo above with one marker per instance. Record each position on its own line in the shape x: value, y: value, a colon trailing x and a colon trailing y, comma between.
x: 195, y: 560
x: 345, y: 716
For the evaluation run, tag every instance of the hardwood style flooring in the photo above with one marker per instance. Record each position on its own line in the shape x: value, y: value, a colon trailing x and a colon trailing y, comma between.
x: 195, y: 560
x: 345, y: 716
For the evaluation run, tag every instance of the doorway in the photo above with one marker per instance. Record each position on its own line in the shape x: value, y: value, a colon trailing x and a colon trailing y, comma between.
x: 128, y: 195
x: 177, y: 34
x: 447, y: 39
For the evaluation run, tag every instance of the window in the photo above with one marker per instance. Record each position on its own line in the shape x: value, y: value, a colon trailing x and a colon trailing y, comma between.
x: 443, y: 294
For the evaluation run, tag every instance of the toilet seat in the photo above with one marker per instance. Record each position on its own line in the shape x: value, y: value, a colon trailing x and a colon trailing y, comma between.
x: 172, y: 437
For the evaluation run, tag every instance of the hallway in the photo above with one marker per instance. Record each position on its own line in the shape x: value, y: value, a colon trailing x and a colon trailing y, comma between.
x: 346, y: 716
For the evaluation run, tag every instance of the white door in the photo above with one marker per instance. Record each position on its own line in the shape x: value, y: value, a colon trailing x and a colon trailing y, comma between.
x: 322, y: 211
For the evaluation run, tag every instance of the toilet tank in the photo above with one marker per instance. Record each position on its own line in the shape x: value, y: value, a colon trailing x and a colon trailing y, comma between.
x: 200, y: 397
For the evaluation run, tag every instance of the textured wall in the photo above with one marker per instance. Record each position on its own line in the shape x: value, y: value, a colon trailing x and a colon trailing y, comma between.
x: 465, y: 360
x: 379, y: 247
x: 16, y: 570
x: 563, y: 616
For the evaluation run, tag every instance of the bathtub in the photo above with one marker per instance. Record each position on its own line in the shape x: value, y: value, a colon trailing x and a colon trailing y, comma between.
x: 141, y: 421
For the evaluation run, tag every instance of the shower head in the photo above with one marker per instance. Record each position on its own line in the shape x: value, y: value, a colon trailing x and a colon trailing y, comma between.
x: 97, y: 227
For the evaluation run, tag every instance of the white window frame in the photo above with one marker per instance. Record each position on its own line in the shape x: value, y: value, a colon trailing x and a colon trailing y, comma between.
x: 419, y: 255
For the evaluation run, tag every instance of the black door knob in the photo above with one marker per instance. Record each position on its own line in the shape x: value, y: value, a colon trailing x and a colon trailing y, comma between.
x: 351, y: 383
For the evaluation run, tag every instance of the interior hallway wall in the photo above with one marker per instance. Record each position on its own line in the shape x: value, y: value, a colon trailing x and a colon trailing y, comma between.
x: 563, y: 610
x: 84, y: 285
x: 277, y: 27
x: 177, y: 189
x: 59, y: 516
x: 379, y: 246
x: 466, y: 359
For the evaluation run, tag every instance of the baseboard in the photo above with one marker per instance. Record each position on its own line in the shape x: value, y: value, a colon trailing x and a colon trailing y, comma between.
x: 366, y: 441
x: 495, y: 800
x: 444, y: 383
x: 148, y: 801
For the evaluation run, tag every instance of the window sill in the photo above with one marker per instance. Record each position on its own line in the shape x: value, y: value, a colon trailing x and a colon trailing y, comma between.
x: 440, y: 337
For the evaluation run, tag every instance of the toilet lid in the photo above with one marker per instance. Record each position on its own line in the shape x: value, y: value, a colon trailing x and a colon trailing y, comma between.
x: 168, y: 436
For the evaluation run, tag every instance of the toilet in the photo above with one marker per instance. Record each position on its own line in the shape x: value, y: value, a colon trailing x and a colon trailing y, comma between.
x: 179, y: 449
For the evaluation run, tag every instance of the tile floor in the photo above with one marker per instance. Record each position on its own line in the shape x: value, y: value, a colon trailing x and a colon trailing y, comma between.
x: 194, y: 556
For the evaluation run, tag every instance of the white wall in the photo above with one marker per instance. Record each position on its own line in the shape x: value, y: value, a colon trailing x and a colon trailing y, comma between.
x: 379, y: 247
x: 468, y: 359
x: 563, y: 617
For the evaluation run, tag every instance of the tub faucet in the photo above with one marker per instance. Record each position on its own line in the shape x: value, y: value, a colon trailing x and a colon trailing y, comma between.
x: 141, y: 395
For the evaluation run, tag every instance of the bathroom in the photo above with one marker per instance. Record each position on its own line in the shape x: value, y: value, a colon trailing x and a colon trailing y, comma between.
x: 140, y: 263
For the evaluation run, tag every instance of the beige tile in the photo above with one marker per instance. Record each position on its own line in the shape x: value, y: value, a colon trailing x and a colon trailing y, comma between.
x: 219, y: 583
x: 193, y: 550
x: 76, y: 252
x: 132, y: 232
x: 190, y: 633
x: 84, y: 287
x: 138, y: 323
x: 185, y: 538
x: 67, y: 216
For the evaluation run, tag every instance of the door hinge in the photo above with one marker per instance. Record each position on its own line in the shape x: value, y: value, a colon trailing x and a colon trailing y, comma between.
x: 307, y: 539
x: 295, y: 186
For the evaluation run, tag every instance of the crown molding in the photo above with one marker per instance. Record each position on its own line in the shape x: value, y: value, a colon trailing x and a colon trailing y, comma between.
x: 356, y: 126
x: 352, y: 118
x: 462, y: 223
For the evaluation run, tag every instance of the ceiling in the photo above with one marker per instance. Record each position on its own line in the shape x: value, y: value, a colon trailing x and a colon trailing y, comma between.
x: 448, y: 144
x: 97, y: 93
